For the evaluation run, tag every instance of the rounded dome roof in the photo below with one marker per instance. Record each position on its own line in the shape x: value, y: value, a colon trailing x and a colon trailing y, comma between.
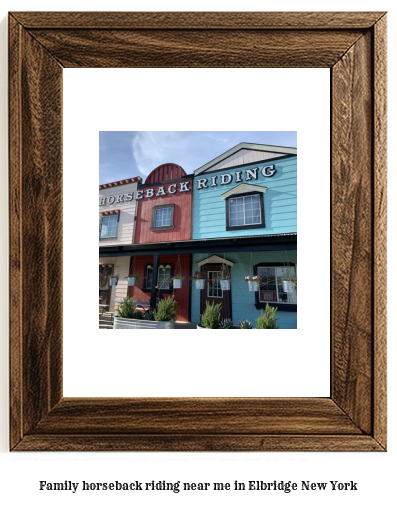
x: 165, y: 172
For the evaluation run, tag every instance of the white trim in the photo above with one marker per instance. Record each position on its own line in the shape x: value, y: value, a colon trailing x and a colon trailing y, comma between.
x: 103, y: 217
x: 211, y: 286
x: 248, y: 146
x: 215, y: 259
x: 244, y: 187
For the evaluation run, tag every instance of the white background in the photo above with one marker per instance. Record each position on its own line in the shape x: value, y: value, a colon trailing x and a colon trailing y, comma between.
x: 276, y: 363
x: 20, y: 473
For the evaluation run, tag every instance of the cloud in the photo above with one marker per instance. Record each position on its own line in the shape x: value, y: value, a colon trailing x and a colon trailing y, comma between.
x: 217, y: 138
x: 131, y: 153
x: 151, y: 149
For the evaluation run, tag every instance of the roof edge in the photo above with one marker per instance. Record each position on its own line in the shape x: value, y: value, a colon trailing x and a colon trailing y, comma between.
x: 124, y: 181
x: 249, y: 146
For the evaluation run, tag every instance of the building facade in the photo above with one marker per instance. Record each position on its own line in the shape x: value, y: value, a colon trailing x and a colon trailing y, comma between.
x: 117, y: 217
x: 238, y: 210
x: 164, y: 205
x: 248, y: 198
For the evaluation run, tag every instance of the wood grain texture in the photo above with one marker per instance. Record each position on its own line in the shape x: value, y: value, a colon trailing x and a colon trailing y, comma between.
x: 15, y: 227
x: 380, y: 229
x: 36, y: 229
x: 352, y: 232
x: 202, y: 20
x: 199, y: 443
x: 353, y: 45
x: 173, y: 416
x: 196, y: 48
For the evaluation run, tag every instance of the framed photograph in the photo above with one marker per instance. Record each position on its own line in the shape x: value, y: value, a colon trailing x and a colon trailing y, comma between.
x: 353, y: 46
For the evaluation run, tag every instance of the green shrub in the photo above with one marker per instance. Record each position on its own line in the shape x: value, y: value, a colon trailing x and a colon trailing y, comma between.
x: 244, y: 324
x: 226, y: 324
x: 149, y: 315
x: 126, y: 308
x: 267, y: 318
x: 211, y: 316
x: 166, y: 309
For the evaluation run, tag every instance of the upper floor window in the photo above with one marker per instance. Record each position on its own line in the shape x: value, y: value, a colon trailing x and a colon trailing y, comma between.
x: 108, y: 227
x: 245, y: 212
x: 163, y: 217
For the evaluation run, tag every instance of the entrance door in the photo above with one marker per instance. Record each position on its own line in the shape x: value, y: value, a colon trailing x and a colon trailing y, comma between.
x: 213, y: 291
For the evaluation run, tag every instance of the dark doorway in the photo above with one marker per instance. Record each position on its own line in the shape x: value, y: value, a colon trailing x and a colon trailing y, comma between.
x: 104, y: 289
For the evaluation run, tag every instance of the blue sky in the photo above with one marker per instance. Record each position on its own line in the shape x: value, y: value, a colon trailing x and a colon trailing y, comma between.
x: 127, y: 154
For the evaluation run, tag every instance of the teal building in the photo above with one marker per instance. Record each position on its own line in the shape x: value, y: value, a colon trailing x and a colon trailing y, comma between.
x: 245, y: 210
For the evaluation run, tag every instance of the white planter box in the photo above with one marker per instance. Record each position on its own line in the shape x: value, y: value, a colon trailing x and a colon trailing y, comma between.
x: 120, y: 323
x: 200, y: 284
x: 113, y: 281
x: 131, y: 281
x: 177, y: 283
x: 253, y: 286
x: 225, y: 284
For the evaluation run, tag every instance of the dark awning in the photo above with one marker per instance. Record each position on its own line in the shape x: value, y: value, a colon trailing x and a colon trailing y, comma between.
x: 273, y: 242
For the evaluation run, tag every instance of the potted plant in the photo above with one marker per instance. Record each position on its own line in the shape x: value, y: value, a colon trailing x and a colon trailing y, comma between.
x: 244, y: 324
x: 199, y: 279
x: 129, y: 318
x: 253, y: 282
x: 267, y: 318
x: 166, y: 313
x: 226, y: 324
x: 126, y: 308
x: 132, y: 279
x: 225, y: 277
x: 125, y: 314
x: 177, y: 281
x: 114, y: 280
x: 177, y: 277
x: 211, y: 317
x: 290, y: 284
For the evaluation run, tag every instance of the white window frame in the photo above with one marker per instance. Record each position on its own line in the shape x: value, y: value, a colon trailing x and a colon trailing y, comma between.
x: 169, y: 267
x: 116, y: 215
x: 161, y: 208
x: 161, y: 211
x: 243, y: 198
x: 210, y: 285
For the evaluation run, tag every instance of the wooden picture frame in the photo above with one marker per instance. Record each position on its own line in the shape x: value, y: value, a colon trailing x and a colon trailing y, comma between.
x: 353, y: 46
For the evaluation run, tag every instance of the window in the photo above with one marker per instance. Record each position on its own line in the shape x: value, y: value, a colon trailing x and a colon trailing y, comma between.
x: 276, y: 286
x: 214, y: 287
x: 108, y: 228
x: 164, y: 275
x: 245, y: 212
x: 148, y: 276
x: 163, y: 217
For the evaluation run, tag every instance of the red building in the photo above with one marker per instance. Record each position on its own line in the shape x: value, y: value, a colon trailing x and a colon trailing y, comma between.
x: 163, y: 218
